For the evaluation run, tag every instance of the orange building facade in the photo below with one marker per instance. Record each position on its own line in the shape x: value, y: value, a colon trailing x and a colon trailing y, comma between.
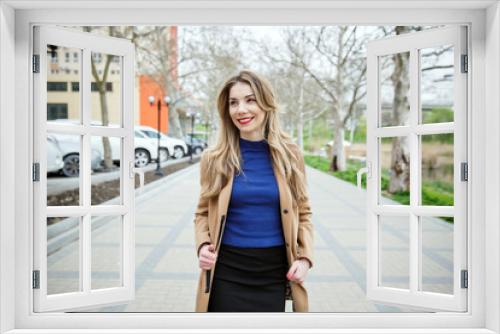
x: 148, y: 114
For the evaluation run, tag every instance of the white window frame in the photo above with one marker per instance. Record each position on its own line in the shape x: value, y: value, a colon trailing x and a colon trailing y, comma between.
x: 16, y: 19
x: 89, y: 45
x: 414, y: 295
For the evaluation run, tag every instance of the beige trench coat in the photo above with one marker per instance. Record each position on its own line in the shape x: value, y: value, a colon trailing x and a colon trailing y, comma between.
x: 297, y: 230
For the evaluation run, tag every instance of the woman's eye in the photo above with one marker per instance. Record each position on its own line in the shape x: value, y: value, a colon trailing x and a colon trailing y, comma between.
x: 251, y: 100
x: 232, y: 103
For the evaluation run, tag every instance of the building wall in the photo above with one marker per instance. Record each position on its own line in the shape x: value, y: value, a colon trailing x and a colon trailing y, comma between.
x: 65, y: 67
x: 148, y: 115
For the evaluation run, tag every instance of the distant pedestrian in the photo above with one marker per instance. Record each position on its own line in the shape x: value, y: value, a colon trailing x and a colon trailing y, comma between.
x: 253, y: 231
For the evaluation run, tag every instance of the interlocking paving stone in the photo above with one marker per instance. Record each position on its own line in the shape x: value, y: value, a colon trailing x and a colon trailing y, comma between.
x: 167, y: 268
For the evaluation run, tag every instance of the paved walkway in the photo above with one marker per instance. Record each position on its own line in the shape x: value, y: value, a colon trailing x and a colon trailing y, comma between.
x: 166, y: 264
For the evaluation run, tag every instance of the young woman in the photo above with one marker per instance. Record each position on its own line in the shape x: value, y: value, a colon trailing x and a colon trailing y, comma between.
x: 253, y: 231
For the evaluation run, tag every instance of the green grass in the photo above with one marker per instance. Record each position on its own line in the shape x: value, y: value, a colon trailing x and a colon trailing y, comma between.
x: 433, y: 193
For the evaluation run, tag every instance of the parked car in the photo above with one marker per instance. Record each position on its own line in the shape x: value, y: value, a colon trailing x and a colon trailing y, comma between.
x: 145, y: 151
x: 54, y: 155
x: 167, y: 146
x: 198, y: 144
x: 177, y: 148
x: 180, y: 147
x: 70, y: 151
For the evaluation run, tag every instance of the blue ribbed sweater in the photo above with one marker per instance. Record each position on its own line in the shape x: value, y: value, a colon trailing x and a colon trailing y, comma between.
x: 253, y: 217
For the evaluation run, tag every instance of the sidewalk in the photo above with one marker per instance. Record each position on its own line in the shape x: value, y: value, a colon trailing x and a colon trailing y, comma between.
x: 167, y: 269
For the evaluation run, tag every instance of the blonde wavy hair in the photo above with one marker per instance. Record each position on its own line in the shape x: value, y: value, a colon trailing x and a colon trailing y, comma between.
x: 224, y: 159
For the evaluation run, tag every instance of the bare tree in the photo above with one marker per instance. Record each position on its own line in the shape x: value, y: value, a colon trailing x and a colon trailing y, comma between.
x: 216, y: 56
x: 159, y: 57
x: 102, y: 79
x: 338, y: 68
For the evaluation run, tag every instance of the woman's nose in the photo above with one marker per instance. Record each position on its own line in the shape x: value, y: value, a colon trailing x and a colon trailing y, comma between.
x: 241, y: 107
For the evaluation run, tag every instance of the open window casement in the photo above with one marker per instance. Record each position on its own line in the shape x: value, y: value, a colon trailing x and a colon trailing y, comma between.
x: 84, y: 129
x: 410, y: 77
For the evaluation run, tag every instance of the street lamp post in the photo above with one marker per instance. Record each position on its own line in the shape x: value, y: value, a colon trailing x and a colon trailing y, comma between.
x: 166, y: 99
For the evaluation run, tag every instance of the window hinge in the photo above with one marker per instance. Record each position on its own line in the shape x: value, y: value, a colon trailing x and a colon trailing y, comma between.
x: 465, y: 279
x: 464, y: 171
x: 465, y: 66
x: 36, y: 171
x: 36, y: 63
x: 36, y: 279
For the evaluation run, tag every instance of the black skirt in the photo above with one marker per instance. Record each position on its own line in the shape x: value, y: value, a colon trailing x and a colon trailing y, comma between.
x: 249, y: 280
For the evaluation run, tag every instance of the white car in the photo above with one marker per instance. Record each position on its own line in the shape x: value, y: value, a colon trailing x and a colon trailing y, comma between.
x: 166, y: 146
x: 176, y: 148
x: 54, y: 155
x: 145, y: 151
x: 181, y: 148
x: 69, y: 145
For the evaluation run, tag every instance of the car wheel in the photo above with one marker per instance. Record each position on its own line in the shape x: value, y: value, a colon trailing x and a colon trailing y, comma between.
x: 198, y: 150
x: 163, y: 154
x: 178, y: 152
x: 142, y: 158
x: 71, y: 166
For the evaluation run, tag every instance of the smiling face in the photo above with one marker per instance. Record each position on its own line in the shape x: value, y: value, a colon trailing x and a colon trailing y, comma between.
x: 245, y: 113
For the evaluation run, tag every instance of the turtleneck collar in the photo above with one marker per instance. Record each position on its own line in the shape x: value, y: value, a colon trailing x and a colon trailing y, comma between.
x: 249, y: 144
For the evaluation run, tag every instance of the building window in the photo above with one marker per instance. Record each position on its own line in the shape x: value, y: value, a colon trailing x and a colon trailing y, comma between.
x: 109, y: 87
x: 75, y: 86
x: 66, y: 57
x: 97, y: 57
x: 57, y: 86
x: 57, y: 111
x: 75, y: 57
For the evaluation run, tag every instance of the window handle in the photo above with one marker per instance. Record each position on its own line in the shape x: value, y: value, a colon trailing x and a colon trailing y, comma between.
x: 361, y: 171
x: 140, y: 172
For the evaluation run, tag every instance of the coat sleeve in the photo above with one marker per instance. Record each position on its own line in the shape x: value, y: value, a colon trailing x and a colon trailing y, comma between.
x: 305, y: 235
x: 202, y: 233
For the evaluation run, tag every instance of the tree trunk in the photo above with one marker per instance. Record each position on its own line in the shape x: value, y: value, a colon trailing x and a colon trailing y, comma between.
x: 400, y: 156
x: 300, y: 123
x: 174, y: 124
x: 400, y: 165
x: 338, y: 158
x: 106, y: 146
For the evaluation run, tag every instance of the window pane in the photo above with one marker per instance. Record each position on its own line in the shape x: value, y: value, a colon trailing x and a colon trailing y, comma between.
x: 106, y: 152
x: 63, y: 169
x: 436, y: 84
x: 437, y: 169
x: 394, y: 164
x: 437, y: 254
x: 394, y: 241
x: 63, y: 101
x: 63, y: 255
x: 107, y: 252
x: 106, y: 89
x: 394, y: 89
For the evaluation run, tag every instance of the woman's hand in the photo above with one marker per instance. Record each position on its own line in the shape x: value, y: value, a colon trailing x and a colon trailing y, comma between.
x: 207, y: 256
x: 298, y: 271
